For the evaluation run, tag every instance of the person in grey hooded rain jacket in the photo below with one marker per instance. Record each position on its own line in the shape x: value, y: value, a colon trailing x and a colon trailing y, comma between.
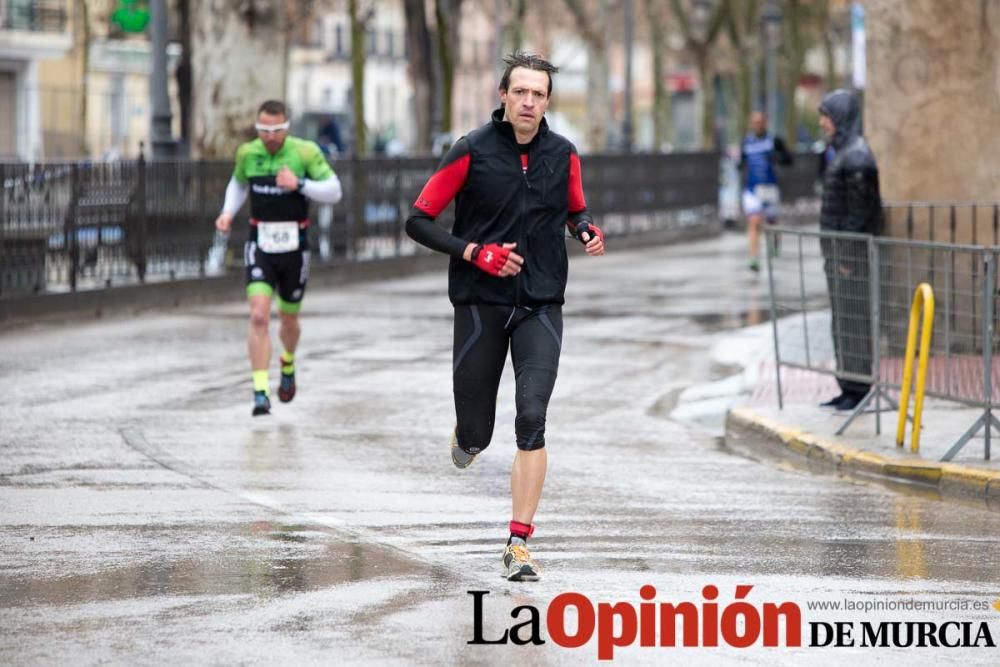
x: 851, y: 203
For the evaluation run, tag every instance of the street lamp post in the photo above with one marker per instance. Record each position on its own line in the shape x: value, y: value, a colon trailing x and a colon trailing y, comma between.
x: 627, y: 139
x: 162, y: 140
x: 771, y: 26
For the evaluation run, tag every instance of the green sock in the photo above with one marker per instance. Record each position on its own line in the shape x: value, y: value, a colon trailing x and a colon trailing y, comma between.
x: 260, y: 382
x: 287, y: 363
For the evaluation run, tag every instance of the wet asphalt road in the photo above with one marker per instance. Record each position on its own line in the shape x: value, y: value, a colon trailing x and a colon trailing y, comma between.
x: 147, y: 519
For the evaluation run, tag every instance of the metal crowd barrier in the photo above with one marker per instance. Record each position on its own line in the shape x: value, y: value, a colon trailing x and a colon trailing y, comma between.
x: 840, y: 306
x: 66, y: 226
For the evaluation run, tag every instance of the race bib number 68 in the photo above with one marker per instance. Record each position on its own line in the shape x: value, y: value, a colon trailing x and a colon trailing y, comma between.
x: 276, y: 237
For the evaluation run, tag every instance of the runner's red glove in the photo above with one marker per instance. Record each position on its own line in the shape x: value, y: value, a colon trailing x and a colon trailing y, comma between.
x: 591, y: 229
x: 490, y: 257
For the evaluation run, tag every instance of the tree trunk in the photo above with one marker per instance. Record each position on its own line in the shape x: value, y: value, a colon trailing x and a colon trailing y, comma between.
x: 298, y: 15
x: 599, y: 95
x: 238, y: 61
x: 742, y: 25
x: 661, y: 100
x: 700, y: 48
x: 829, y: 59
x: 82, y: 40
x: 706, y: 83
x: 421, y: 73
x: 449, y: 17
x: 358, y: 78
x: 516, y: 32
x: 744, y: 92
x: 796, y: 55
x: 791, y: 125
x: 598, y: 85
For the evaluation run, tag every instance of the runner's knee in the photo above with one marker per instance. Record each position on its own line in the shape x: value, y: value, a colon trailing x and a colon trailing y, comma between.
x: 530, y: 428
x: 473, y: 437
x: 260, y: 317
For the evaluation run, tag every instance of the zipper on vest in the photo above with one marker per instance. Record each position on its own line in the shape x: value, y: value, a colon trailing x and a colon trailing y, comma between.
x: 521, y: 243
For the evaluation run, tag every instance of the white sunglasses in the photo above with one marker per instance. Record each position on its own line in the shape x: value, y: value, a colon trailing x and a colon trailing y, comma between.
x: 271, y: 129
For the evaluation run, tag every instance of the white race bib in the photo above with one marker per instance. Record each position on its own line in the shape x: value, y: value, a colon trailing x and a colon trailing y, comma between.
x: 275, y: 237
x: 766, y: 194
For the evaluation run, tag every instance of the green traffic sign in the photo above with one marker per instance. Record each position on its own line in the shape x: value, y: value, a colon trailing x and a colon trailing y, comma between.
x: 131, y: 15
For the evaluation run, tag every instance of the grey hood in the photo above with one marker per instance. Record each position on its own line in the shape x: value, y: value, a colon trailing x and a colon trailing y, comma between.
x: 842, y: 107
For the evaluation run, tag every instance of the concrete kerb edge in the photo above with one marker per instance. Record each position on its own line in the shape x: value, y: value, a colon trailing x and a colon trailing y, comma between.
x: 948, y: 478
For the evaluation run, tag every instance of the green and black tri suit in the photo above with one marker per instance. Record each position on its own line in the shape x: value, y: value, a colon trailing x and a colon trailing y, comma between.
x: 284, y: 270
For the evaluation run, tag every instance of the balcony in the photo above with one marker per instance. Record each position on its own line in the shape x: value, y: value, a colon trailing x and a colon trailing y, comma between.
x: 32, y: 29
x: 33, y: 15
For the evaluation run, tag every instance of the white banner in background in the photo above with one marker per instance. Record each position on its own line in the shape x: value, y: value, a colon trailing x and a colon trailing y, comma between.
x: 858, y: 45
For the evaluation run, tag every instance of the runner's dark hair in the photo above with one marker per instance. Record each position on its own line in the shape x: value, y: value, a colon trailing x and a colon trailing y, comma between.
x: 527, y: 61
x: 273, y: 107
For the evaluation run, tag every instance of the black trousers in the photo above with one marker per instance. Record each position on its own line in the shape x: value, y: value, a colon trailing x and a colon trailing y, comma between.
x: 483, y: 335
x: 851, y: 310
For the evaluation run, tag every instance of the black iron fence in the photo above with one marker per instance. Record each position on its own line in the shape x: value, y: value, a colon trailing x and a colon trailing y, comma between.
x: 975, y: 223
x: 83, y: 225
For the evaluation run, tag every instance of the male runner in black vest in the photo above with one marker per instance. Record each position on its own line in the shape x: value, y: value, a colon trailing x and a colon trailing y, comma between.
x: 517, y: 188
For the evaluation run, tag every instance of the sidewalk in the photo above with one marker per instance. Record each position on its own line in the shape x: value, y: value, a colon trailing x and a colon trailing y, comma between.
x: 807, y: 430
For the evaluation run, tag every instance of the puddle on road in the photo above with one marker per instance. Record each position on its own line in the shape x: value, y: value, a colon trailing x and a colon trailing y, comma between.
x: 276, y: 559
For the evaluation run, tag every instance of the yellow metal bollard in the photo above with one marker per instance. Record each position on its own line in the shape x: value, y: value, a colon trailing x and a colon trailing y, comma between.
x: 923, y: 300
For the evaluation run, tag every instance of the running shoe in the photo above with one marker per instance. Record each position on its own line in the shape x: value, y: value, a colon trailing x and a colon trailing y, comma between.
x: 517, y: 563
x: 286, y: 390
x: 460, y: 457
x: 261, y: 404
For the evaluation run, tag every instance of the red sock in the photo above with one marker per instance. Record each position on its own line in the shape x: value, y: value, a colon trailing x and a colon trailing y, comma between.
x: 521, y: 530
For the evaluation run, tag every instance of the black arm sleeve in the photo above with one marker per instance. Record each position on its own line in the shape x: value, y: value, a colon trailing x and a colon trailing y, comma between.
x: 421, y: 228
x: 438, y: 192
x: 576, y: 218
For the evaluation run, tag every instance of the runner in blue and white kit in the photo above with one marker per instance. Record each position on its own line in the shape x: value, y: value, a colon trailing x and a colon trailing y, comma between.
x: 761, y: 197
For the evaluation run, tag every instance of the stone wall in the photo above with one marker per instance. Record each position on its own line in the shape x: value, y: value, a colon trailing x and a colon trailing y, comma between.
x: 932, y: 102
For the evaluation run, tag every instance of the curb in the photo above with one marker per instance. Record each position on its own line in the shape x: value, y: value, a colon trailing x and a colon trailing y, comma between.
x: 951, y: 479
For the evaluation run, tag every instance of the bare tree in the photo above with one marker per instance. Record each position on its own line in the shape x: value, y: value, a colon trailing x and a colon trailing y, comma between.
x: 699, y: 46
x: 358, y: 76
x: 661, y: 100
x: 421, y: 66
x: 299, y: 15
x: 237, y: 58
x: 81, y: 41
x: 805, y: 24
x: 449, y: 17
x: 741, y: 24
x: 798, y: 21
x: 827, y: 37
x: 515, y: 29
x: 598, y: 86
